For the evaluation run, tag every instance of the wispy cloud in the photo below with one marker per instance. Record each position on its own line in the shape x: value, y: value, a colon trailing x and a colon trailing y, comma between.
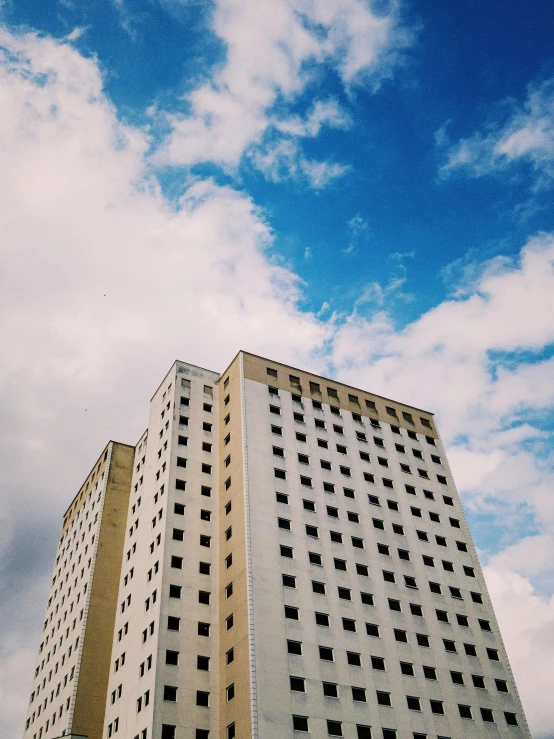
x: 273, y: 49
x: 525, y: 136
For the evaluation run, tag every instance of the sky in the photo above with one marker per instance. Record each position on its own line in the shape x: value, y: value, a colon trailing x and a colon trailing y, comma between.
x: 362, y: 189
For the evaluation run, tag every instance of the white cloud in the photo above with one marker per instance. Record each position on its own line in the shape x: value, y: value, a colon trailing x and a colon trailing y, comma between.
x: 527, y: 624
x: 526, y: 136
x: 283, y: 160
x: 273, y: 49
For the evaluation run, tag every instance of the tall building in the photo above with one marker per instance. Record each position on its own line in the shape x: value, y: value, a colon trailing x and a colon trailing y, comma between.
x: 280, y: 556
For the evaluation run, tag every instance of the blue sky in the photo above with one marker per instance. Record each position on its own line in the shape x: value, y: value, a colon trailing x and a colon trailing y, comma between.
x: 363, y: 189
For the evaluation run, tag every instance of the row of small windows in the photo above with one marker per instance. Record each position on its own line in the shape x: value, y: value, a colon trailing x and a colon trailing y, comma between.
x: 400, y: 635
x: 281, y: 474
x: 334, y: 728
x: 315, y: 389
x: 289, y: 581
x: 388, y: 576
x: 321, y: 424
x: 341, y: 449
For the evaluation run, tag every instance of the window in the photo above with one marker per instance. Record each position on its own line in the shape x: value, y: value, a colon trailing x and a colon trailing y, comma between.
x: 383, y: 699
x: 400, y: 636
x: 465, y: 711
x: 315, y: 559
x: 205, y: 541
x: 230, y: 692
x: 423, y: 640
x: 362, y: 570
x: 383, y: 549
x: 281, y: 498
x: 168, y: 731
x: 175, y: 591
x: 230, y: 656
x: 205, y: 568
x: 177, y: 563
x: 492, y: 654
x: 273, y: 390
x: 180, y: 485
x: 324, y: 463
x: 372, y: 630
x: 487, y: 715
x: 289, y: 581
x: 462, y: 620
x: 358, y: 694
x: 306, y: 481
x: 449, y: 645
x: 330, y: 690
x: 429, y: 673
x: 437, y: 707
x: 353, y: 658
x: 319, y: 424
x: 340, y: 564
x: 231, y: 733
x: 280, y: 474
x: 179, y: 509
x: 329, y: 487
x: 333, y: 512
x: 172, y: 657
x: 290, y: 612
x: 300, y: 723
x: 318, y: 587
x: 294, y: 647
x: 326, y: 654
x: 501, y: 686
x: 394, y: 605
x: 387, y: 483
x: 336, y: 536
x: 388, y: 576
x: 229, y: 590
x: 348, y: 624
x: 435, y: 587
x: 301, y: 437
x: 406, y: 668
x: 398, y: 529
x: 298, y: 684
x: 207, y: 469
x: 308, y: 505
x: 203, y: 629
x: 511, y: 718
x: 277, y: 451
x: 442, y: 616
x: 202, y: 698
x: 410, y: 582
x: 462, y: 546
x: 275, y: 409
x: 202, y: 663
x: 284, y: 523
x: 298, y: 417
x: 357, y: 542
x: 378, y: 524
x: 457, y: 678
x: 271, y: 372
x: 322, y: 619
x: 348, y: 493
x: 178, y: 534
x: 476, y: 597
x: 170, y: 693
x: 478, y: 681
x: 366, y: 598
x: 413, y: 703
x: 338, y: 429
x: 455, y: 592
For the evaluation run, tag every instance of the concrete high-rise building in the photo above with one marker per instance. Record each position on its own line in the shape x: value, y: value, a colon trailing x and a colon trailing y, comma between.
x: 280, y: 556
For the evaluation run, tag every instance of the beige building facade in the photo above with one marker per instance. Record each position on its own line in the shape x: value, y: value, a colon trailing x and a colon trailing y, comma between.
x: 280, y: 556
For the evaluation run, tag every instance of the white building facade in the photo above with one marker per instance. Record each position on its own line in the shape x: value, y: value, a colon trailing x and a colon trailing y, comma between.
x: 294, y: 562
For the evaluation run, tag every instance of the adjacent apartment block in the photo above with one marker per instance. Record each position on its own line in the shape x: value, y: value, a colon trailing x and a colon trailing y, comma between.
x: 280, y: 556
